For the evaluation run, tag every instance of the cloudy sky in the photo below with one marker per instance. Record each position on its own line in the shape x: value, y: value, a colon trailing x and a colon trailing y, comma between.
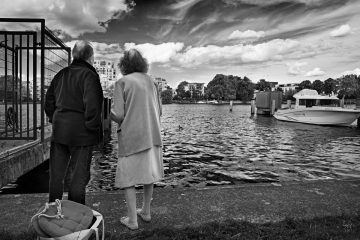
x: 285, y: 41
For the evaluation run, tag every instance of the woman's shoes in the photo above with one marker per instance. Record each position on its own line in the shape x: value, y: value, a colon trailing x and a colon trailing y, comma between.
x: 125, y: 221
x: 143, y: 216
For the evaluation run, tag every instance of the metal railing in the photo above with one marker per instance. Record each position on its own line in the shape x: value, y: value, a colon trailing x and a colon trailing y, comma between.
x: 28, y: 62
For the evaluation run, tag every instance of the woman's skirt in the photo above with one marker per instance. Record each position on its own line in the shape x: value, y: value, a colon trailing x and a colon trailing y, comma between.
x: 145, y: 167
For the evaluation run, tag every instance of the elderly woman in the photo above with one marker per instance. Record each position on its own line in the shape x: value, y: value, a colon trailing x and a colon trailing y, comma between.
x: 137, y: 110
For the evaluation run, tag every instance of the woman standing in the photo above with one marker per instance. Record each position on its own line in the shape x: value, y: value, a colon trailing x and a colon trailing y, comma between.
x: 137, y: 110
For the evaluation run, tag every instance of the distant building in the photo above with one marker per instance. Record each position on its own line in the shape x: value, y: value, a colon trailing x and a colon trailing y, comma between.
x: 162, y: 83
x: 107, y: 72
x: 273, y: 85
x: 192, y: 87
x: 288, y: 86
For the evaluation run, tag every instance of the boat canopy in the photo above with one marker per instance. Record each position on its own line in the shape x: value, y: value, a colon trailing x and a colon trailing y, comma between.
x: 312, y: 94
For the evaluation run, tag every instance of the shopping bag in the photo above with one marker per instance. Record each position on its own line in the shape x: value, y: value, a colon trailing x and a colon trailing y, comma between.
x: 66, y: 220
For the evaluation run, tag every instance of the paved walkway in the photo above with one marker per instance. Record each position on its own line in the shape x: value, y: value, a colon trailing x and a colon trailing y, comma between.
x: 190, y: 207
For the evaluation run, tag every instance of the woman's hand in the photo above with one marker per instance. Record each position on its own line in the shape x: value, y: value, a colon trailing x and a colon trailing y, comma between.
x: 115, y: 118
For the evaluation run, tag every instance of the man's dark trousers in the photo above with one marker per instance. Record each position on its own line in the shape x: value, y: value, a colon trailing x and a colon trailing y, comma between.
x: 76, y: 158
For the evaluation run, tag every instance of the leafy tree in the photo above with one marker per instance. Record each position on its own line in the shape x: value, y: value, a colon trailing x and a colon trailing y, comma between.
x: 263, y: 85
x: 288, y: 95
x: 244, y: 89
x: 221, y: 87
x: 305, y: 85
x: 330, y: 86
x: 176, y: 97
x: 180, y: 90
x: 196, y: 95
x: 349, y: 86
x: 166, y: 96
x: 318, y: 85
x: 187, y: 94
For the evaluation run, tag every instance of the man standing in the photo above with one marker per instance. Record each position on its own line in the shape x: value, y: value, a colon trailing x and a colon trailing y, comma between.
x: 74, y: 105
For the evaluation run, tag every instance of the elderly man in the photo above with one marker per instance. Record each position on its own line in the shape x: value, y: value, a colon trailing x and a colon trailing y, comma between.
x: 74, y: 104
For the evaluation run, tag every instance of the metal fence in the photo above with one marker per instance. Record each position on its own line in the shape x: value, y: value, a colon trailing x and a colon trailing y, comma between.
x: 28, y: 62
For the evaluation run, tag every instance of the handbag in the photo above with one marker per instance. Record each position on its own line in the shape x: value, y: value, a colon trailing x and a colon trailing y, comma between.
x: 65, y: 220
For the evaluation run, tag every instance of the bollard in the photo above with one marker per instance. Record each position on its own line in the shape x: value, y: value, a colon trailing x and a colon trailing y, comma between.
x: 289, y: 104
x: 342, y: 103
x: 252, y: 107
x: 273, y: 107
x: 231, y: 106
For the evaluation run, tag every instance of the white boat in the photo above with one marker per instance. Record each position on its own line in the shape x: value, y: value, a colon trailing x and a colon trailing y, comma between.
x: 212, y: 102
x: 313, y: 108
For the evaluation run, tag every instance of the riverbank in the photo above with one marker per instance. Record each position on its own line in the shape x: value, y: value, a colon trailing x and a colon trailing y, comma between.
x: 209, y: 102
x: 247, y: 208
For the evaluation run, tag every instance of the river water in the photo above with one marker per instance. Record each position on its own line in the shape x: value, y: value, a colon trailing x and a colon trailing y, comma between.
x: 207, y: 145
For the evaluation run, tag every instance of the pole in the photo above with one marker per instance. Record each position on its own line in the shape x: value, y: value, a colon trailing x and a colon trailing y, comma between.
x: 289, y: 104
x: 342, y: 102
x: 273, y: 107
x: 252, y: 107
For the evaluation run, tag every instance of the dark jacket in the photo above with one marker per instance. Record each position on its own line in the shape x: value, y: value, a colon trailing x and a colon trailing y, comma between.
x: 74, y: 105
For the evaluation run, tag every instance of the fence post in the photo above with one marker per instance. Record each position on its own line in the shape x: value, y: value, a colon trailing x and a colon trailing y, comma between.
x: 42, y: 77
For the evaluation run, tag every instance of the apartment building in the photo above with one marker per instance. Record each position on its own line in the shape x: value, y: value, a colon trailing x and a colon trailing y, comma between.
x: 287, y: 86
x: 162, y: 83
x: 107, y: 72
x: 192, y: 87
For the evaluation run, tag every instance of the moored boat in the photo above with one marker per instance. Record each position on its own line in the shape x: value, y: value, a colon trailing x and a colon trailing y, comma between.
x: 313, y: 108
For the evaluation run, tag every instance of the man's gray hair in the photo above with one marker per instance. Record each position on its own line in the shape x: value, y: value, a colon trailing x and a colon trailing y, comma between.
x: 82, y: 50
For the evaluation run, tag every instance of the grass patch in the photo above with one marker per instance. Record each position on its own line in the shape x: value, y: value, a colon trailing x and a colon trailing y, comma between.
x: 341, y: 227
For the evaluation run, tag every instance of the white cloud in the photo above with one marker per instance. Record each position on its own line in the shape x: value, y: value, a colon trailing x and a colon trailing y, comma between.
x: 71, y: 17
x: 276, y: 49
x: 315, y: 72
x: 295, y: 68
x: 341, y: 31
x: 246, y: 34
x: 161, y: 53
x: 271, y: 2
x: 356, y: 71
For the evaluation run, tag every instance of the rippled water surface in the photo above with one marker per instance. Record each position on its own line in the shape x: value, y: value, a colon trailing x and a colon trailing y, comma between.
x: 209, y: 145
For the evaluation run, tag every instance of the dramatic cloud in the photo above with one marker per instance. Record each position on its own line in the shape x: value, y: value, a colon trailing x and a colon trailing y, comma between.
x: 356, y: 71
x: 295, y: 68
x: 315, y: 73
x: 71, y: 17
x: 341, y: 31
x: 229, y: 55
x: 246, y: 34
x: 161, y: 53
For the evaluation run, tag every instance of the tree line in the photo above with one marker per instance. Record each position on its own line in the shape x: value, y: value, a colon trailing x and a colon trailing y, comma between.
x: 229, y: 87
x: 347, y: 86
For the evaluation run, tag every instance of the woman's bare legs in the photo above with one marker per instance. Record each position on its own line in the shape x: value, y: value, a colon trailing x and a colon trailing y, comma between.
x: 130, y: 196
x: 148, y: 192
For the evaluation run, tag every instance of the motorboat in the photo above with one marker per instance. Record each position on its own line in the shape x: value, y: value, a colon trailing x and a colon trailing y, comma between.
x: 213, y: 102
x: 312, y: 108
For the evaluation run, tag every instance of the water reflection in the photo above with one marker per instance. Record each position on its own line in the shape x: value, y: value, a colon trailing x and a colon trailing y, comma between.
x: 209, y: 145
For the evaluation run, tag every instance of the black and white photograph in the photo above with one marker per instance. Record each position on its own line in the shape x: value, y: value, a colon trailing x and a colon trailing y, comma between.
x: 179, y: 119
